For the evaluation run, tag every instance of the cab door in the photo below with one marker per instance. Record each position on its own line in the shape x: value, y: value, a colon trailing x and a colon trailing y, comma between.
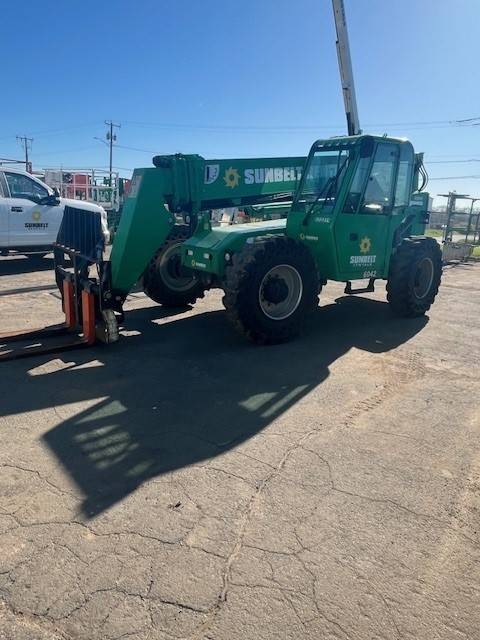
x: 31, y: 224
x: 362, y: 226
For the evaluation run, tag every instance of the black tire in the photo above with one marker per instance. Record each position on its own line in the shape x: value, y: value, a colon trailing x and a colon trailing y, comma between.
x: 278, y: 264
x: 414, y: 276
x: 163, y: 281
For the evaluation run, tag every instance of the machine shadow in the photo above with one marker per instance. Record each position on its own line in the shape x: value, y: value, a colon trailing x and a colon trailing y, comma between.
x: 16, y: 266
x: 188, y: 390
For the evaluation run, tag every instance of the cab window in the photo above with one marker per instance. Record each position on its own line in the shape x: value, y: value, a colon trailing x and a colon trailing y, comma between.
x: 21, y: 186
x: 378, y: 194
x: 356, y: 188
x: 403, y: 189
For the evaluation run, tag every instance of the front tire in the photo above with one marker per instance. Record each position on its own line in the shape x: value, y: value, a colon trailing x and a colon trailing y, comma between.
x: 165, y: 281
x: 414, y: 277
x: 270, y: 288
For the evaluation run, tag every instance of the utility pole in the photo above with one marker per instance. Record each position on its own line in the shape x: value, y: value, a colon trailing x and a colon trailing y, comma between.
x: 111, y: 137
x: 26, y: 144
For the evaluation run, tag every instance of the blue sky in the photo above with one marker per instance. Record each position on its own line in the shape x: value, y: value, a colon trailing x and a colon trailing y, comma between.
x: 237, y: 78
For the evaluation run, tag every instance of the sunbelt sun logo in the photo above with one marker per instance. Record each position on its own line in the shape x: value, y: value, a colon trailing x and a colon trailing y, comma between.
x: 232, y: 177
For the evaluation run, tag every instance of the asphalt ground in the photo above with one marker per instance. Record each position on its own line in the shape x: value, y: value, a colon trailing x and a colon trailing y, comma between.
x: 186, y: 484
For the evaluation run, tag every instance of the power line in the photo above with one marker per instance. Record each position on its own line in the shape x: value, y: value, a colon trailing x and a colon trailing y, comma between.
x: 450, y: 161
x: 54, y: 132
x: 457, y: 178
x: 469, y: 121
x: 283, y: 128
x: 122, y: 146
x: 52, y: 153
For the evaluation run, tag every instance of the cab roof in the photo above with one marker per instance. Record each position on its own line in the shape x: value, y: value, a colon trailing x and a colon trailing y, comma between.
x: 353, y: 141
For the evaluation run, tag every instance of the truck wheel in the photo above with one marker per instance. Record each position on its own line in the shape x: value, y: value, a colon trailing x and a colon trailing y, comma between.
x: 414, y: 277
x: 165, y: 281
x: 270, y: 288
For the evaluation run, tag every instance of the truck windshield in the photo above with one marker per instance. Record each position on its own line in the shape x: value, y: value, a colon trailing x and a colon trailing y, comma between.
x: 323, y: 177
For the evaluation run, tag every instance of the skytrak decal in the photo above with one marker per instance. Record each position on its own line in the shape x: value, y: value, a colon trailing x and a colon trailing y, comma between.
x: 212, y: 172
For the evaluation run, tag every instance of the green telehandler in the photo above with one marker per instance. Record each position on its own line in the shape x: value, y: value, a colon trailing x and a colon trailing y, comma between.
x: 354, y: 209
x: 356, y: 212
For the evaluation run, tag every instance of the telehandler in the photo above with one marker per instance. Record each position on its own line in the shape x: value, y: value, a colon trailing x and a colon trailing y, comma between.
x: 358, y: 213
x: 355, y: 208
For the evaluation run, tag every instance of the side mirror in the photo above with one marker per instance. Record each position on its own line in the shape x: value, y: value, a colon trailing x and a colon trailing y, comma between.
x: 51, y: 200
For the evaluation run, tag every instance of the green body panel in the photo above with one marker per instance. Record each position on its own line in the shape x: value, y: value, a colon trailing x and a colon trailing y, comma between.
x: 144, y: 225
x: 206, y: 249
x: 188, y: 185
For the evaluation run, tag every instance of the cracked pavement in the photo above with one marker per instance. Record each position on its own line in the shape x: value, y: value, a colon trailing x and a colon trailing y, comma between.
x: 184, y: 484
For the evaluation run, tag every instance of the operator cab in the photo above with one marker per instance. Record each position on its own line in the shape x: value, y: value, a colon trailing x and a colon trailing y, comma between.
x: 388, y: 163
x: 351, y: 190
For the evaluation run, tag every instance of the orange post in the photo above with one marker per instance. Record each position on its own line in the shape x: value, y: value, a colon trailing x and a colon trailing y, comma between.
x: 88, y: 313
x: 68, y: 304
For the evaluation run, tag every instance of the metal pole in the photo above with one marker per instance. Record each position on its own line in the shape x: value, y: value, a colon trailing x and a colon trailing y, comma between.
x: 450, y: 204
x: 111, y: 137
x: 469, y: 220
x: 111, y: 152
x: 25, y: 141
x: 476, y: 235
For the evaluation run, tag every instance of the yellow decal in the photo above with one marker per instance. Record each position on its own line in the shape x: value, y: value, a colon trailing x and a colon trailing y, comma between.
x: 231, y: 177
x: 365, y: 245
x: 36, y: 215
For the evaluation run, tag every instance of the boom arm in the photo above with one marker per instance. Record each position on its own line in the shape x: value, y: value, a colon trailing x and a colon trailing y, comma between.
x: 186, y: 185
x: 346, y: 71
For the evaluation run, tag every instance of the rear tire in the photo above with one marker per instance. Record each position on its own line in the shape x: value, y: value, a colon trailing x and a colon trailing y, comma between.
x: 414, y: 277
x: 165, y: 281
x: 269, y: 290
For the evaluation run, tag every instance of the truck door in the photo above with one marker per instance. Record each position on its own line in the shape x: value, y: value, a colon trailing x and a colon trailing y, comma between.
x: 362, y: 227
x: 31, y: 224
x: 3, y: 216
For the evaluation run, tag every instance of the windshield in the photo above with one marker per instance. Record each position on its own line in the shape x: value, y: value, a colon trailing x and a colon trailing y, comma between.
x: 323, y: 177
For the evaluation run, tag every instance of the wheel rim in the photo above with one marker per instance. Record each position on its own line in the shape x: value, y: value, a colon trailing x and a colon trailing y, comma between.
x: 280, y: 292
x: 423, y: 277
x: 171, y: 271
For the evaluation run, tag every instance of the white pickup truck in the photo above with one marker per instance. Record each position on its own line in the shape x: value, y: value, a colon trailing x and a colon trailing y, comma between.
x: 31, y: 213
